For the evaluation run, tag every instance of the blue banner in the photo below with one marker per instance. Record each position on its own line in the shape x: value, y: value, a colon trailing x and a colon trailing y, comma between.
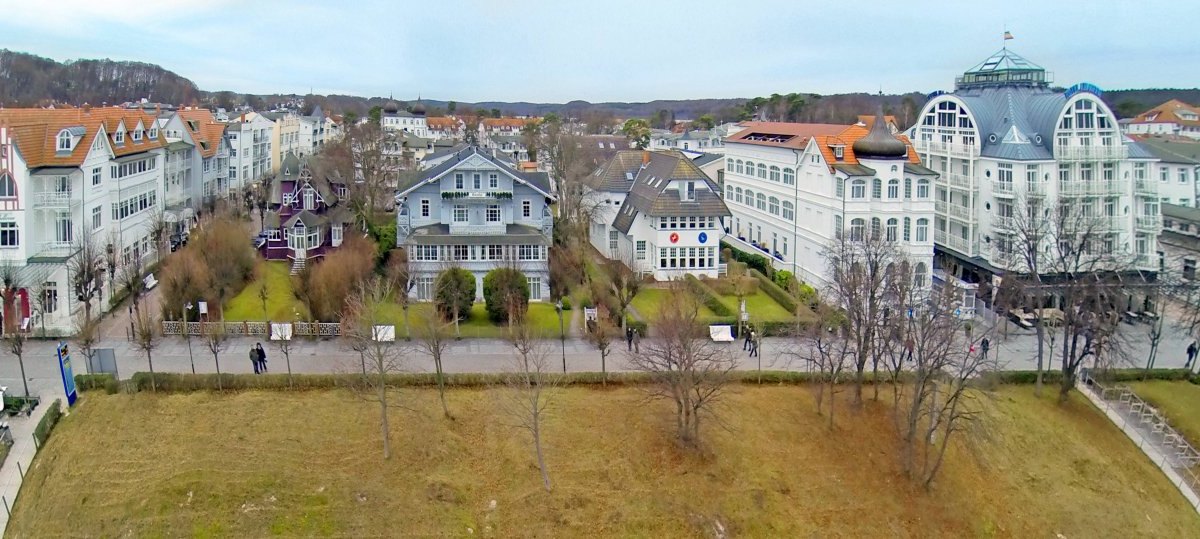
x: 68, y: 377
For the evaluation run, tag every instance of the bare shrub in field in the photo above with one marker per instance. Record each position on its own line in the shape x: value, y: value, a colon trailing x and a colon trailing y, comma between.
x: 330, y: 282
x: 185, y: 279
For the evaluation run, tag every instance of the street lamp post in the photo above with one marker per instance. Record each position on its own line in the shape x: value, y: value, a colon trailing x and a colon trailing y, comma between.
x: 562, y: 332
x: 187, y: 335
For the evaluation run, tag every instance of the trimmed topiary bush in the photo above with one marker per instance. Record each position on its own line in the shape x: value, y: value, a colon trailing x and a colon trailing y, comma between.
x: 454, y: 287
x: 502, y: 288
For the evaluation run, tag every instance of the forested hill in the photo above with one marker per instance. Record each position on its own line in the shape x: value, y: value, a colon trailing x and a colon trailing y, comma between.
x: 28, y: 80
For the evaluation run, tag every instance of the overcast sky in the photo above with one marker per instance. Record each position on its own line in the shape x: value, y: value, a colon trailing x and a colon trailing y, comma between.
x: 613, y: 50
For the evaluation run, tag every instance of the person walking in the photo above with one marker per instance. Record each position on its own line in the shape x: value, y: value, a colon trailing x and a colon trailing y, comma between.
x: 629, y: 338
x: 254, y: 359
x: 262, y: 358
x: 1191, y: 355
x: 984, y: 346
x: 754, y: 341
x: 637, y: 340
x: 749, y: 334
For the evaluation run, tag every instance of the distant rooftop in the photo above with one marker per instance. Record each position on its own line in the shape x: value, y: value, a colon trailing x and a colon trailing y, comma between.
x: 1005, y: 67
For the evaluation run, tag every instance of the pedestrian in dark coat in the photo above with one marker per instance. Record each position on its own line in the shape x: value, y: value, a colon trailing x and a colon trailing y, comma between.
x: 254, y: 359
x: 629, y: 338
x: 637, y: 339
x: 749, y: 335
x: 985, y: 345
x: 262, y: 358
x: 1191, y: 355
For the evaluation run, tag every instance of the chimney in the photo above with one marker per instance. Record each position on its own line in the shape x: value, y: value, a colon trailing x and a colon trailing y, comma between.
x: 87, y: 108
x: 645, y: 157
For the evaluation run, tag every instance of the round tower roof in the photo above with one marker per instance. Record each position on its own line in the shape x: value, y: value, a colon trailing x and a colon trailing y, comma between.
x: 880, y: 142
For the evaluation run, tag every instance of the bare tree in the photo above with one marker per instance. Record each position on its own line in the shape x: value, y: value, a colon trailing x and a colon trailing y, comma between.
x: 624, y: 285
x: 529, y: 386
x: 825, y: 346
x: 399, y: 271
x: 433, y: 339
x: 379, y: 351
x: 130, y: 277
x: 369, y: 158
x: 87, y: 271
x: 685, y: 366
x: 263, y: 296
x: 283, y: 343
x: 146, y: 337
x: 217, y: 340
x: 12, y: 327
x: 602, y: 333
x: 156, y: 228
x: 859, y: 266
x: 87, y: 334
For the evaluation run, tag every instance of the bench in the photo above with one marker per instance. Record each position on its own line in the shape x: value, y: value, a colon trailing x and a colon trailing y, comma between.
x: 150, y: 282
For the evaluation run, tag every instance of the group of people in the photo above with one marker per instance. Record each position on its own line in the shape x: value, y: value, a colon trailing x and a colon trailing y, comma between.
x: 258, y: 358
x: 633, y: 339
x: 753, y: 340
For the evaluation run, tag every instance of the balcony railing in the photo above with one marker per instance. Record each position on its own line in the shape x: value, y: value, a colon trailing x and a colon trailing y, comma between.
x: 1091, y: 153
x: 55, y: 248
x: 53, y: 199
x: 1084, y: 187
x: 1004, y: 259
x: 1002, y: 188
x: 465, y: 229
x: 1035, y: 189
x: 1151, y: 222
x: 966, y: 247
x: 952, y: 149
x: 961, y: 181
x: 960, y: 212
x: 1145, y: 187
x: 1005, y: 222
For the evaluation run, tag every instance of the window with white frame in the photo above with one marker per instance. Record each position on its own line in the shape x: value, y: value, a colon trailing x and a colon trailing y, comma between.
x: 336, y: 235
x: 789, y: 176
x: 96, y: 217
x: 493, y: 213
x: 789, y: 211
x: 529, y: 252
x: 876, y: 189
x: 493, y: 181
x: 858, y: 227
x: 612, y: 240
x: 10, y: 234
x: 839, y: 187
x: 641, y: 249
x: 97, y: 175
x: 858, y: 189
x: 893, y: 189
x: 49, y: 297
x: 907, y: 229
x: 923, y: 189
x: 837, y: 226
x: 762, y: 171
x: 760, y: 201
x: 460, y: 213
x: 535, y: 288
x: 458, y: 181
x: 774, y: 173
x: 526, y: 209
x: 773, y: 205
x: 922, y: 230
x: 64, y: 141
x: 119, y: 136
x: 424, y: 207
x: 425, y: 253
x: 892, y: 232
x: 477, y: 180
x: 461, y: 252
x: 424, y: 288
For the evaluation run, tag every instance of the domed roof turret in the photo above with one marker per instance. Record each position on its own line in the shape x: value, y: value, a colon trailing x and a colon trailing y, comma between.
x: 880, y: 142
x: 391, y: 107
x: 418, y: 109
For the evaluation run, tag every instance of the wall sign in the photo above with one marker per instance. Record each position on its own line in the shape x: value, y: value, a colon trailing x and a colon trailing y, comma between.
x: 674, y: 237
x: 704, y: 237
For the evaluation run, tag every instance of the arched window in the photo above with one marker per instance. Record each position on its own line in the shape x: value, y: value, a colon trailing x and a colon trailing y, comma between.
x: 64, y: 140
x: 739, y: 166
x: 749, y: 197
x: 728, y: 192
x: 789, y: 176
x: 895, y: 168
x: 922, y: 230
x: 774, y: 173
x: 761, y: 201
x: 875, y: 228
x: 839, y: 187
x: 749, y: 168
x: 907, y: 229
x: 789, y: 211
x: 8, y: 187
x: 729, y: 166
x: 907, y: 188
x: 876, y: 189
x: 893, y: 189
x: 858, y: 189
x: 919, y: 275
x: 857, y: 227
x: 762, y: 171
x: 737, y: 195
x: 892, y: 228
x: 773, y: 205
x: 922, y: 189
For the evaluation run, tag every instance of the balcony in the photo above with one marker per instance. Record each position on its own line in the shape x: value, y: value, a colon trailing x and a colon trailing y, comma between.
x: 960, y: 212
x: 1004, y: 222
x: 1004, y: 259
x: 55, y: 249
x: 959, y: 181
x: 53, y: 200
x: 1035, y: 189
x: 966, y: 247
x: 1091, y: 153
x: 1086, y: 188
x: 467, y: 229
x: 1004, y: 189
x: 1150, y: 222
x: 1145, y: 188
x: 952, y: 149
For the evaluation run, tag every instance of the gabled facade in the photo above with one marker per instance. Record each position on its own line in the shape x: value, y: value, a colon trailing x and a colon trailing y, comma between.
x: 1177, y: 169
x: 504, y: 136
x: 250, y: 155
x: 659, y: 214
x: 306, y: 217
x: 1171, y: 118
x: 197, y: 163
x: 446, y: 127
x: 795, y: 190
x: 477, y: 212
x: 393, y: 118
x: 66, y: 174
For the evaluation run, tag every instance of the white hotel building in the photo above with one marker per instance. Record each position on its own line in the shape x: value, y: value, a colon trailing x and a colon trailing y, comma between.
x: 793, y: 188
x: 1005, y: 139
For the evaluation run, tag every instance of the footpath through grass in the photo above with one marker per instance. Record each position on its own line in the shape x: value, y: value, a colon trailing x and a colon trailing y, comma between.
x: 1178, y: 401
x: 257, y: 464
x: 282, y: 304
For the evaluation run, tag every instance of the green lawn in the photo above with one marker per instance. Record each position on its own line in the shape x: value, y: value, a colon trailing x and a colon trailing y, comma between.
x: 647, y: 302
x: 1179, y: 402
x: 542, y: 315
x: 760, y: 306
x: 281, y: 302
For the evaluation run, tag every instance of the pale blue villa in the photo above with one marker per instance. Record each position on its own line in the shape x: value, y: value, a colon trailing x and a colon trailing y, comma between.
x: 478, y: 212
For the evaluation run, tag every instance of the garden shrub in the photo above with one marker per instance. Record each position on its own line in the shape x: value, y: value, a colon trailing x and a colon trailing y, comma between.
x: 505, y: 288
x: 41, y: 433
x: 785, y: 280
x: 778, y: 294
x: 566, y: 303
x: 707, y: 296
x: 807, y: 295
x: 758, y: 262
x: 455, y: 286
x: 326, y: 285
x: 89, y: 382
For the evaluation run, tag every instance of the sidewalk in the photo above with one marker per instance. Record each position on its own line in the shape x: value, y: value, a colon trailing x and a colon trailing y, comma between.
x: 22, y: 452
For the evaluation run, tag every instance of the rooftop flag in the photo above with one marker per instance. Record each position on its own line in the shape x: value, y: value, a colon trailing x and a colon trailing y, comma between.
x: 1007, y: 35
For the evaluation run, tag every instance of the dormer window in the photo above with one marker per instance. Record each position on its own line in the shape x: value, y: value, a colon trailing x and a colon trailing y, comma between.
x: 119, y: 136
x: 153, y: 133
x: 64, y: 141
x: 137, y: 135
x: 839, y: 152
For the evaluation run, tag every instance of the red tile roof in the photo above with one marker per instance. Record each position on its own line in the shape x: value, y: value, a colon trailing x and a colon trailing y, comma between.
x: 846, y: 138
x: 207, y: 130
x: 514, y: 123
x: 782, y: 134
x: 1168, y: 113
x: 36, y: 132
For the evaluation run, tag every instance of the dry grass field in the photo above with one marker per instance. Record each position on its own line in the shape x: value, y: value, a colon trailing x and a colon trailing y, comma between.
x: 258, y: 464
x: 1179, y: 402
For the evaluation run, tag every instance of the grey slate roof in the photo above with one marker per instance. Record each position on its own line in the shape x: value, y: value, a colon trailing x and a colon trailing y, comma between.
x: 538, y: 180
x: 439, y: 234
x: 1182, y: 213
x: 1168, y: 151
x: 442, y: 153
x: 854, y: 169
x: 919, y: 170
x: 309, y: 219
x: 651, y: 192
x: 706, y: 158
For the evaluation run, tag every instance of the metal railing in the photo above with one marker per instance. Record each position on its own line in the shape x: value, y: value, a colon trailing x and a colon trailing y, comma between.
x: 305, y: 329
x: 960, y: 212
x: 1149, y: 222
x: 952, y: 149
x: 1091, y: 153
x: 961, y: 181
x: 1002, y: 188
x: 52, y: 199
x: 966, y: 247
x: 1145, y: 187
x: 1006, y: 222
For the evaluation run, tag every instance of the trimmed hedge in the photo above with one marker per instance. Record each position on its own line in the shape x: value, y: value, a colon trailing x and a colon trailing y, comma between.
x: 42, y: 432
x: 708, y: 296
x: 639, y: 325
x: 89, y: 382
x: 758, y: 262
x: 780, y: 295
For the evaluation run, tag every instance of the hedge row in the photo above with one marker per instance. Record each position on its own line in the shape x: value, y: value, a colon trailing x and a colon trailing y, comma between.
x: 778, y: 294
x: 183, y: 383
x: 708, y: 296
x: 88, y: 382
x: 758, y: 262
x: 42, y: 432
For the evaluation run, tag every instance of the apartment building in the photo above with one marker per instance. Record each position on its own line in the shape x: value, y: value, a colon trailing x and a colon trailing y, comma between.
x: 250, y: 151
